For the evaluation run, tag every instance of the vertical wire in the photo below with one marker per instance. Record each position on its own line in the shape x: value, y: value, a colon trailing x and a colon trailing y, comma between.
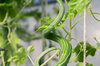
x: 84, y: 37
x: 46, y: 14
x: 42, y: 7
x: 46, y: 7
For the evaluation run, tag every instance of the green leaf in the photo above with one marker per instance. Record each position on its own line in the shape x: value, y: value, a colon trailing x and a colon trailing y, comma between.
x: 77, y: 5
x: 36, y: 14
x: 12, y: 11
x: 42, y: 27
x: 65, y: 17
x: 81, y: 64
x: 78, y: 50
x: 27, y: 2
x: 1, y: 39
x: 46, y: 20
x: 30, y: 49
x: 58, y: 26
x: 20, y: 57
x: 98, y: 45
x: 24, y: 35
x: 13, y: 38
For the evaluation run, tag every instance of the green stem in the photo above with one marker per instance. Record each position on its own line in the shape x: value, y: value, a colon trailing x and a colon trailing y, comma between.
x: 43, y: 48
x: 17, y: 16
x: 3, y: 61
x: 70, y: 24
x: 5, y: 45
x: 94, y: 16
x: 37, y: 60
x: 42, y: 6
x: 66, y: 32
x: 67, y: 4
x: 4, y: 21
x: 31, y: 60
x: 82, y: 18
x: 77, y: 22
x: 50, y: 58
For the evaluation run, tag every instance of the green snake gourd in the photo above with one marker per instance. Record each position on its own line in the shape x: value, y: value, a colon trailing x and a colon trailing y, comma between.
x: 59, y: 17
x: 43, y: 53
x: 65, y: 46
x: 65, y: 50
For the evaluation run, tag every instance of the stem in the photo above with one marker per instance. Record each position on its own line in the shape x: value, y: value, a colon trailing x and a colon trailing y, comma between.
x: 70, y: 24
x: 46, y: 7
x: 67, y: 4
x: 85, y: 37
x: 77, y: 22
x: 43, y: 48
x: 17, y: 16
x: 50, y: 58
x: 43, y: 40
x: 5, y: 45
x: 3, y: 61
x: 4, y: 21
x: 82, y: 18
x: 66, y: 32
x: 42, y: 6
x: 94, y: 16
x: 31, y: 60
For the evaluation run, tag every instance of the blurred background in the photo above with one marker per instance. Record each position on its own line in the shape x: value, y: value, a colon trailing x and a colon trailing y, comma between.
x: 30, y: 22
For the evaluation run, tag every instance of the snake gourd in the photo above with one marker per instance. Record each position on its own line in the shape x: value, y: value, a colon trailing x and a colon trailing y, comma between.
x: 36, y: 63
x: 65, y: 50
x: 59, y: 17
x: 65, y: 46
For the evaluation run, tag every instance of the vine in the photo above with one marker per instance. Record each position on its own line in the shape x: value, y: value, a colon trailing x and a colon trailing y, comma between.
x: 11, y: 32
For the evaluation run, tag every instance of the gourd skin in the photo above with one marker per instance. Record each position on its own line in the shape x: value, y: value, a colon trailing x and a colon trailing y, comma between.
x: 65, y: 46
x: 36, y: 63
x: 57, y: 20
x: 65, y: 52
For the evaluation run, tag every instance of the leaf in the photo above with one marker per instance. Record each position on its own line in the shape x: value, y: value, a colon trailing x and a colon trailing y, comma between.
x: 58, y: 26
x: 13, y: 38
x: 27, y: 2
x: 46, y: 20
x: 98, y: 45
x: 5, y: 4
x: 13, y: 41
x: 20, y: 57
x: 1, y: 39
x: 77, y: 5
x: 42, y: 27
x: 12, y: 11
x: 81, y: 64
x: 78, y: 50
x: 30, y: 49
x: 65, y: 17
x: 36, y: 14
x: 24, y: 35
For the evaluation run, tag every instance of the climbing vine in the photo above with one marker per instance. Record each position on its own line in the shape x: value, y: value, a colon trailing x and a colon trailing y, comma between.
x: 11, y: 32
